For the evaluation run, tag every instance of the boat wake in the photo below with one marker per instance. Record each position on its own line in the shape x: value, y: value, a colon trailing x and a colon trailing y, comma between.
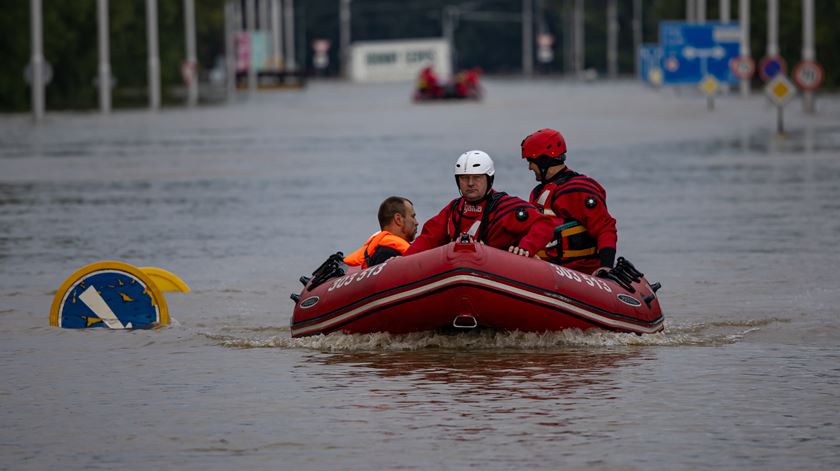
x: 699, y: 334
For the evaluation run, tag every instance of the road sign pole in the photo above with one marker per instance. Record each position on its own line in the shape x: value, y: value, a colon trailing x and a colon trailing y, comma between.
x: 808, y: 53
x: 780, y: 127
x: 192, y: 62
x: 724, y: 11
x: 154, y: 54
x: 37, y: 84
x: 772, y: 28
x: 744, y: 19
x: 104, y: 58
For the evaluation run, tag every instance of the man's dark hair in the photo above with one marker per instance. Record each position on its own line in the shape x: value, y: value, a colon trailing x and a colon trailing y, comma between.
x: 391, y: 206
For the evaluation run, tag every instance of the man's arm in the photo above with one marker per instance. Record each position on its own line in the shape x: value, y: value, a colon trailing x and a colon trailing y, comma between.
x: 433, y: 233
x: 381, y: 254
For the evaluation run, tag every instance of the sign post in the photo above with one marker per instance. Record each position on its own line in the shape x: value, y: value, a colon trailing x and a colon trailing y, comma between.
x: 710, y: 87
x: 780, y: 91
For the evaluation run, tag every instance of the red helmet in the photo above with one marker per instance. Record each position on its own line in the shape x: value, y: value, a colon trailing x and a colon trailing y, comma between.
x: 547, y: 142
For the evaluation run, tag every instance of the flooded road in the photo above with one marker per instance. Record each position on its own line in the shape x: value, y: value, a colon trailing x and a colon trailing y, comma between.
x: 739, y: 225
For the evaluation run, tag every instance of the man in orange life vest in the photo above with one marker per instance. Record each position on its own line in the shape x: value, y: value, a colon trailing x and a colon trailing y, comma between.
x: 398, y: 224
x: 584, y: 236
x: 491, y: 217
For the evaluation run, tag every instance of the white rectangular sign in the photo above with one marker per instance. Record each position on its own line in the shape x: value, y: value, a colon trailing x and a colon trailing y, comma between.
x: 381, y: 61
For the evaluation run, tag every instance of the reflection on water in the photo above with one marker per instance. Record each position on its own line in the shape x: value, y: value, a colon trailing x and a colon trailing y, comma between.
x: 526, y: 374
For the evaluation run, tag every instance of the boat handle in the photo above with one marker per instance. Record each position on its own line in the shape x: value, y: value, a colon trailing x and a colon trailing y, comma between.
x: 471, y: 322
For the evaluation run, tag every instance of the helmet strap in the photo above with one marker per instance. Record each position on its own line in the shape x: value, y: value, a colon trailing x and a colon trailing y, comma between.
x: 544, y: 163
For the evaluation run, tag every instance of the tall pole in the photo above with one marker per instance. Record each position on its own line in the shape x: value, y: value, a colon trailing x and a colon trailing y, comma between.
x: 344, y: 37
x: 579, y: 38
x: 808, y: 52
x: 289, y: 16
x: 690, y: 10
x: 612, y: 39
x: 701, y: 11
x: 528, y: 38
x: 569, y: 36
x: 37, y: 60
x: 744, y: 19
x: 154, y: 54
x: 450, y: 16
x: 276, y: 32
x: 724, y: 11
x: 772, y: 28
x: 104, y: 57
x: 231, y: 26
x: 192, y: 63
x: 637, y: 33
x: 250, y: 25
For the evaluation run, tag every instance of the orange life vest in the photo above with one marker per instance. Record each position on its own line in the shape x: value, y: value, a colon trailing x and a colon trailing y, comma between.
x: 378, y: 239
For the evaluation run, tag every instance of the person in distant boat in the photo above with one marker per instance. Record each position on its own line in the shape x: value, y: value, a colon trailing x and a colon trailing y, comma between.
x: 428, y: 85
x: 493, y: 218
x: 585, y: 237
x: 398, y: 226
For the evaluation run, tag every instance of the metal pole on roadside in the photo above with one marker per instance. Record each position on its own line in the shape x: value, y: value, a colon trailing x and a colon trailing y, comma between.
x: 744, y: 19
x: 701, y: 11
x: 104, y: 57
x: 289, y: 16
x: 637, y: 34
x: 37, y: 60
x: 612, y: 39
x: 725, y: 16
x: 276, y: 32
x: 528, y: 38
x: 230, y: 50
x: 192, y: 62
x: 579, y: 38
x: 690, y: 10
x: 154, y: 54
x: 772, y: 28
x: 250, y: 25
x: 344, y: 37
x: 808, y: 51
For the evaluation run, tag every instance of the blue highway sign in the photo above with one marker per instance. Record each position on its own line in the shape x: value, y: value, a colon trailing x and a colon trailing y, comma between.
x: 691, y: 51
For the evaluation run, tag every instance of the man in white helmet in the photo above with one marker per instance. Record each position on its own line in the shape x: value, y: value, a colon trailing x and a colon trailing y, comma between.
x: 493, y: 218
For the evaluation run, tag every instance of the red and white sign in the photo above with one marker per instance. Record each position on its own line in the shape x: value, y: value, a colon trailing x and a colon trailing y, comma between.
x: 188, y: 71
x: 743, y: 67
x: 808, y: 75
x: 321, y: 45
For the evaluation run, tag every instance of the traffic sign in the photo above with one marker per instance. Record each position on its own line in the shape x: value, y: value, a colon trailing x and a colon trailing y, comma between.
x: 115, y: 295
x: 780, y: 90
x: 743, y: 67
x: 691, y: 51
x: 709, y: 85
x: 650, y: 59
x: 808, y: 75
x: 188, y: 72
x: 769, y: 66
x: 46, y: 74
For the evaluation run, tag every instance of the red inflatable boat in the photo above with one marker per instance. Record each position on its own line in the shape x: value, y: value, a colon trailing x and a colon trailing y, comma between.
x: 465, y: 285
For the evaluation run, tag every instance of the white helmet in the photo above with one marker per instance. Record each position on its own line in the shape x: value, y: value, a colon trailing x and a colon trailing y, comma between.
x: 474, y: 162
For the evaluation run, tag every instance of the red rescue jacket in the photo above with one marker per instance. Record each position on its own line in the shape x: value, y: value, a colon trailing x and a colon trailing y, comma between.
x: 585, y: 237
x: 498, y: 220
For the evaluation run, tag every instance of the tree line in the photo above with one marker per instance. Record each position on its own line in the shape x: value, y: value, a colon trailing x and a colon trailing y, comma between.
x: 70, y: 39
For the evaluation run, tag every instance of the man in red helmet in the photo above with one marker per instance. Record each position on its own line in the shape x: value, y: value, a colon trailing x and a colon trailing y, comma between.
x: 493, y: 218
x: 584, y: 236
